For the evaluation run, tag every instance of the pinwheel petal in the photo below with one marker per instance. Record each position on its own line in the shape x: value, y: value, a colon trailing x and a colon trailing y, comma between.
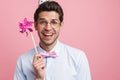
x: 25, y: 21
x: 26, y: 33
x: 26, y: 26
x: 30, y: 29
x: 20, y: 25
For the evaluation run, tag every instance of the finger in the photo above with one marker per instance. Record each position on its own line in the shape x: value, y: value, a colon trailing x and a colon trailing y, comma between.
x: 40, y: 66
x: 36, y: 57
x: 38, y: 61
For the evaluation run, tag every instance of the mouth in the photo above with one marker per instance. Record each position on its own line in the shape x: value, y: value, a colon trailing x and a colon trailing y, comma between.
x: 47, y: 36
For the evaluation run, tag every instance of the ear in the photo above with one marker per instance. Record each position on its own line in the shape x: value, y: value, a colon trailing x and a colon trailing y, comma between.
x: 62, y: 23
x: 35, y: 25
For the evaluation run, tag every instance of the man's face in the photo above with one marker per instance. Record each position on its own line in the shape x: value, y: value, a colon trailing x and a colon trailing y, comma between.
x: 48, y: 26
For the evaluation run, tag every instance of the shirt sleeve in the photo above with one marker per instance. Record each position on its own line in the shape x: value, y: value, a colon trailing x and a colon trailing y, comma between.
x: 19, y: 75
x: 83, y: 68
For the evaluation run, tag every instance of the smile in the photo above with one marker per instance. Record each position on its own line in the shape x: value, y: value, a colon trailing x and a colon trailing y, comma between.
x: 47, y: 34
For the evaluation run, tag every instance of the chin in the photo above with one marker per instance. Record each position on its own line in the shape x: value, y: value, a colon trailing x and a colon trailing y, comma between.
x: 48, y: 43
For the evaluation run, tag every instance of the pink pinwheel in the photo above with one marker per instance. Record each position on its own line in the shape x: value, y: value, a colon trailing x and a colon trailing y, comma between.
x: 26, y: 26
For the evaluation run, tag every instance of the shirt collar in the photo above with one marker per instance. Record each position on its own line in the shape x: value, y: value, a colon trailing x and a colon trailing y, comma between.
x: 56, y: 48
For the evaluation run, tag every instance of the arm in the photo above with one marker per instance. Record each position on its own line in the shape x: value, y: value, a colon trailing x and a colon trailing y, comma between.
x: 83, y: 68
x: 39, y: 66
x: 19, y: 75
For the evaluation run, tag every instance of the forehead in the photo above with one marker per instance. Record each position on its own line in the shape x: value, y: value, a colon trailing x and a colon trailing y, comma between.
x: 48, y: 15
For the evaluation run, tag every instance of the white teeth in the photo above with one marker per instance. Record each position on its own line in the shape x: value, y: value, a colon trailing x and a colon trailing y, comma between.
x: 48, y: 34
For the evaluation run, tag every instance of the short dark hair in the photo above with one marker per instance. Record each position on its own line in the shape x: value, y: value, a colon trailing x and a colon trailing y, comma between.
x: 49, y: 6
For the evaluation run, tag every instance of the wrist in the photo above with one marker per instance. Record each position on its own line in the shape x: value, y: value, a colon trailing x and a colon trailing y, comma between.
x: 39, y: 79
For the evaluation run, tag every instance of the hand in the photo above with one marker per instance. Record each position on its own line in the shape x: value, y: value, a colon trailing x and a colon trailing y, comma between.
x: 39, y: 66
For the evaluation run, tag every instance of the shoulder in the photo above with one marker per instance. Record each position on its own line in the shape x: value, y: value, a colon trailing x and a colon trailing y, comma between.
x: 28, y: 53
x: 27, y: 56
x: 75, y: 55
x: 72, y: 50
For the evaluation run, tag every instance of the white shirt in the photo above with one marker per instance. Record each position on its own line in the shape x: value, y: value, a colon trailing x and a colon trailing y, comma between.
x: 70, y: 64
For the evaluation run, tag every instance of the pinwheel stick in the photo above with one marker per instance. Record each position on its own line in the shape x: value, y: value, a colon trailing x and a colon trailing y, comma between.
x: 26, y: 26
x: 34, y: 42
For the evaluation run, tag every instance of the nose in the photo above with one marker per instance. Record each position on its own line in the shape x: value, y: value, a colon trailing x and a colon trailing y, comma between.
x: 48, y: 26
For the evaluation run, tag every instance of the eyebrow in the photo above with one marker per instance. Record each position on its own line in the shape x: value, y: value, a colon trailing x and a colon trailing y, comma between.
x: 45, y: 19
x: 41, y: 19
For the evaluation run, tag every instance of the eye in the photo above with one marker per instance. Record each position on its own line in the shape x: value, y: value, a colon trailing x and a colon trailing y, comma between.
x: 54, y: 22
x: 42, y: 22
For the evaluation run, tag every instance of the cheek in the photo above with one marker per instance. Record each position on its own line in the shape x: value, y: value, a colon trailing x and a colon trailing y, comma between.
x: 58, y: 30
x: 38, y: 28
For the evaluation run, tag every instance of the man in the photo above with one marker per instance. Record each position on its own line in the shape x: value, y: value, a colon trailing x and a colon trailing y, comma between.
x: 68, y: 63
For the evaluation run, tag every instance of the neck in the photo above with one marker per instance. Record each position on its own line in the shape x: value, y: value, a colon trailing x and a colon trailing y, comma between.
x: 47, y: 47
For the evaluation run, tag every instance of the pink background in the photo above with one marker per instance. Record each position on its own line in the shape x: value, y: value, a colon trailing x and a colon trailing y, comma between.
x: 91, y: 25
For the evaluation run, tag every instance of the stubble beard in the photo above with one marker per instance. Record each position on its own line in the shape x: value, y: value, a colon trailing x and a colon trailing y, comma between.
x: 47, y: 44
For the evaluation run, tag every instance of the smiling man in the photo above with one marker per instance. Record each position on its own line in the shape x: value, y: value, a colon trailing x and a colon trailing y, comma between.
x: 56, y: 60
x: 48, y: 26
